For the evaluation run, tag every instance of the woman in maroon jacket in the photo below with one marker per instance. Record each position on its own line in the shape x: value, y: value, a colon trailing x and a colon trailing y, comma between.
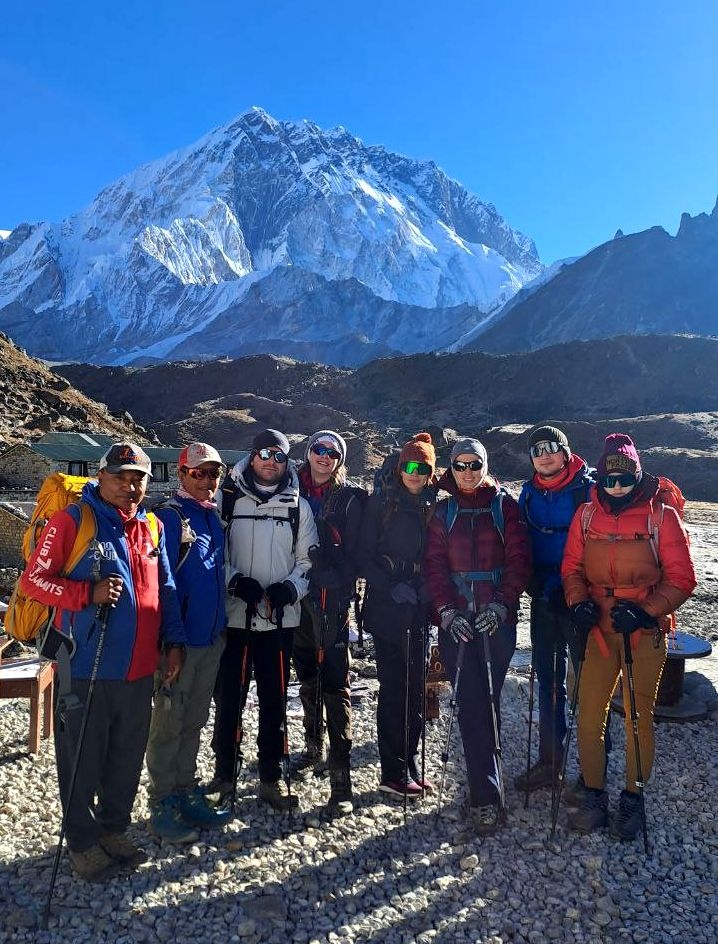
x: 476, y: 566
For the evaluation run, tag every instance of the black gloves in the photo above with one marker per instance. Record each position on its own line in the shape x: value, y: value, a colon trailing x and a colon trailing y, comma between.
x: 627, y: 617
x: 458, y: 624
x: 245, y: 588
x: 403, y: 592
x: 585, y: 615
x: 491, y: 618
x: 281, y: 595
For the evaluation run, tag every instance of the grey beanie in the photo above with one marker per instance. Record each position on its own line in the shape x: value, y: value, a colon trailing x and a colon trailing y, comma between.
x: 336, y: 440
x: 472, y: 446
x: 549, y: 433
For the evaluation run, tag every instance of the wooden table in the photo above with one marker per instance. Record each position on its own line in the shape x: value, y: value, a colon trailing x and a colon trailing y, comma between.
x: 31, y: 678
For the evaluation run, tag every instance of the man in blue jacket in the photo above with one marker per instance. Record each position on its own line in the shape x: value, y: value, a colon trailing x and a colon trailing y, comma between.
x: 195, y: 547
x: 548, y: 501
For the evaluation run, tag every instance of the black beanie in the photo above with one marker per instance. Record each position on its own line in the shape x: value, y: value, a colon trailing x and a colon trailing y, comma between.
x: 271, y: 437
x: 548, y: 433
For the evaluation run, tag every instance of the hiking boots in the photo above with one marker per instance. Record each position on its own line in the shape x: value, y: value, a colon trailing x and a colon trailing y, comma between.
x: 310, y: 761
x: 592, y: 814
x: 166, y: 821
x: 485, y: 819
x: 119, y: 848
x: 573, y: 793
x: 275, y: 793
x: 538, y: 776
x: 628, y: 820
x: 409, y: 788
x: 94, y: 864
x: 340, y: 797
x: 195, y: 810
x: 219, y: 787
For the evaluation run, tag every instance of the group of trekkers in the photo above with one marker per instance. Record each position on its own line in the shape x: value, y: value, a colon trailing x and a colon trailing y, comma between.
x: 246, y: 571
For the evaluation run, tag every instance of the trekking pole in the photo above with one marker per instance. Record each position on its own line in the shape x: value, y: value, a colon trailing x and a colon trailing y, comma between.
x: 359, y: 617
x: 286, y: 770
x: 452, y: 711
x: 554, y: 700
x: 495, y: 722
x: 634, y: 725
x: 406, y: 719
x: 531, y: 719
x: 424, y: 655
x: 567, y: 744
x: 239, y: 729
x: 319, y: 698
x: 102, y: 617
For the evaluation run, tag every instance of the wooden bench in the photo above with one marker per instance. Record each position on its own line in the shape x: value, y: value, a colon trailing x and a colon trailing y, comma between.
x: 30, y: 678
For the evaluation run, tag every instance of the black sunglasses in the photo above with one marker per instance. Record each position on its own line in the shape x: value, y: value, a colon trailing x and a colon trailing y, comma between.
x: 319, y: 450
x: 475, y: 465
x: 624, y: 479
x: 275, y: 454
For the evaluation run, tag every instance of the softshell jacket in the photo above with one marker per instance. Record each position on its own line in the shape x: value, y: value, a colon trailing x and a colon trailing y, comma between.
x: 615, y: 560
x: 391, y: 550
x: 200, y: 579
x: 258, y: 544
x: 147, y: 610
x: 474, y: 544
x: 548, y: 515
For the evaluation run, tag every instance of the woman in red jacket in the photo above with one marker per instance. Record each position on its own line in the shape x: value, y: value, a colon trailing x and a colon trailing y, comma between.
x: 626, y: 567
x: 476, y: 566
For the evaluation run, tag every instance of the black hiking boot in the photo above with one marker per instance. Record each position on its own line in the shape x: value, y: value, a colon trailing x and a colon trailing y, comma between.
x: 340, y: 798
x: 628, y: 821
x: 310, y: 761
x: 573, y: 793
x: 540, y: 775
x: 592, y: 814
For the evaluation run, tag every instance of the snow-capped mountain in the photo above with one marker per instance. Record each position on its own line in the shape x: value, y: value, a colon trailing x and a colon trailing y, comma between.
x: 264, y: 234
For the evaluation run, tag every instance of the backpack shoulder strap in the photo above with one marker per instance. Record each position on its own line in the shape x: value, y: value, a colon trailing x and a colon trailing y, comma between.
x: 187, y: 533
x: 230, y: 491
x: 294, y: 515
x: 497, y: 512
x: 586, y: 516
x: 655, y: 521
x: 86, y: 534
x: 154, y: 523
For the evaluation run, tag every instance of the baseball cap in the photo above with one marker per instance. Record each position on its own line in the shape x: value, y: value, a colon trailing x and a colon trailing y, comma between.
x: 196, y: 453
x: 126, y: 456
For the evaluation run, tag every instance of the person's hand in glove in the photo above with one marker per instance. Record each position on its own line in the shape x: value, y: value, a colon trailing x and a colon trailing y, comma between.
x: 585, y: 615
x: 491, y: 618
x: 245, y: 588
x: 458, y: 624
x: 403, y: 592
x: 627, y: 617
x: 281, y: 595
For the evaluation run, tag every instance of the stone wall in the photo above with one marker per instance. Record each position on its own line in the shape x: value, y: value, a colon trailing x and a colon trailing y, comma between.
x: 12, y: 528
x: 20, y: 467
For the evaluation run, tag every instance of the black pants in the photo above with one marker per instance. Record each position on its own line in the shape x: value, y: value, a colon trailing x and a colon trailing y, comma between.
x: 475, y: 720
x: 113, y: 749
x: 336, y: 697
x: 263, y: 658
x: 391, y: 664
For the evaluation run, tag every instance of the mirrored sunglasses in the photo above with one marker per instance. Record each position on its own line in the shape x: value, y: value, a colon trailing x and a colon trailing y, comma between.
x: 200, y: 474
x: 276, y: 454
x: 541, y: 447
x: 475, y: 465
x: 319, y: 450
x: 416, y: 468
x: 624, y: 479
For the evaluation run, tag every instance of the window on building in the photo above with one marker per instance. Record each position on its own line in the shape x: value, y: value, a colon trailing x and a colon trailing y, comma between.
x: 160, y: 472
x: 77, y: 468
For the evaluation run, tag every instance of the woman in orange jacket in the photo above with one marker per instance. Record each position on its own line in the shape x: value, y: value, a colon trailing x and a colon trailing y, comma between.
x: 626, y: 567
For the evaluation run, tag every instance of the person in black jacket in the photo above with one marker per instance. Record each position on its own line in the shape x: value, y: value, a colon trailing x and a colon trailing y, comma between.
x: 391, y: 549
x: 321, y: 643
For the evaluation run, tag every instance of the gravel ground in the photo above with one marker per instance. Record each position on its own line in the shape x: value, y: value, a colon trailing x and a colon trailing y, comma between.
x: 371, y: 876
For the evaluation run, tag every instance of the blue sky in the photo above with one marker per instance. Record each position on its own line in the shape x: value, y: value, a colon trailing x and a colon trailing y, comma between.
x: 574, y: 119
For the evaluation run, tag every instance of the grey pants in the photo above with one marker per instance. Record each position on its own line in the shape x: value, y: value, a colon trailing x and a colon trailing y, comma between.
x: 177, y: 722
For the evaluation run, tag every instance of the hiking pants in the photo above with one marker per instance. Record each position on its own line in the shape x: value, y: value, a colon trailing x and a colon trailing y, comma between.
x: 391, y: 659
x: 178, y: 720
x: 598, y: 681
x: 334, y: 684
x: 111, y: 759
x: 263, y: 647
x: 472, y: 698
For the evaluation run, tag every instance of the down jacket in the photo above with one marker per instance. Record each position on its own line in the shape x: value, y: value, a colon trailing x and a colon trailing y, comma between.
x: 474, y: 544
x: 614, y: 561
x: 258, y: 544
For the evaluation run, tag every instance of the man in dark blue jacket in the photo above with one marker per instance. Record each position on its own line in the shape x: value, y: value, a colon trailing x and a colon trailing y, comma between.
x: 548, y: 501
x: 195, y: 547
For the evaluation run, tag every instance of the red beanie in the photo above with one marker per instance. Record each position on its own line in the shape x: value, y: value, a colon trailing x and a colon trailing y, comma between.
x: 619, y: 455
x: 419, y: 449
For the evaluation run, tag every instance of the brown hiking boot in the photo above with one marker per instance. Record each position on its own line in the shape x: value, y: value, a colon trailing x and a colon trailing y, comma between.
x: 275, y: 793
x: 340, y: 797
x: 94, y: 864
x: 119, y: 848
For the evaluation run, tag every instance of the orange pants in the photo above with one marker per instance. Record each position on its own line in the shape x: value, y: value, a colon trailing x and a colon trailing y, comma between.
x: 598, y: 681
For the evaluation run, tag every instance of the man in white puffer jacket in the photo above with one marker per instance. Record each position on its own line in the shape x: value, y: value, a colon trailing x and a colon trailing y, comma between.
x: 269, y: 531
